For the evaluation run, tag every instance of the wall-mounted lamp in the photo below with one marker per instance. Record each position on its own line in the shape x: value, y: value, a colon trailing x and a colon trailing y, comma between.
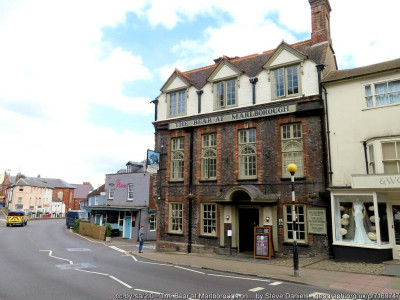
x: 267, y: 219
x: 227, y: 217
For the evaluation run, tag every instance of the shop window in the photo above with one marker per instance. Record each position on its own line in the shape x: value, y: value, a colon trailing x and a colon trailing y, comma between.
x: 292, y: 148
x: 301, y: 229
x: 177, y: 158
x: 209, y: 219
x: 356, y: 220
x: 153, y: 222
x: 247, y: 154
x: 209, y: 156
x: 175, y: 217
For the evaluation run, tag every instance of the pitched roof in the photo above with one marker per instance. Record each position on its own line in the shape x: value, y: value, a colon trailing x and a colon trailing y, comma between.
x: 53, y: 182
x: 253, y: 64
x: 97, y: 191
x: 363, y: 71
x: 35, y: 183
x: 82, y: 190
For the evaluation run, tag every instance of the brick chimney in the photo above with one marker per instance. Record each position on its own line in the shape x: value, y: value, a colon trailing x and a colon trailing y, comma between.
x: 320, y: 14
x: 86, y: 183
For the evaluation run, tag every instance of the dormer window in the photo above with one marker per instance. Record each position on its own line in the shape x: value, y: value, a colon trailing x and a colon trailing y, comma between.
x: 129, y: 169
x: 225, y: 95
x: 286, y: 82
x: 177, y: 103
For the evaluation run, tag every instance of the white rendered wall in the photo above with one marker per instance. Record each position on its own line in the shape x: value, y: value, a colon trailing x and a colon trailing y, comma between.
x: 351, y: 123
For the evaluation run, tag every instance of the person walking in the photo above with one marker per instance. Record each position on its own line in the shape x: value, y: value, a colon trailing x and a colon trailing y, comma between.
x: 141, y: 238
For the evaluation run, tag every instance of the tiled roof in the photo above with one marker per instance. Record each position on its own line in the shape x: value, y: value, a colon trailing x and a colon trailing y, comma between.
x: 253, y: 64
x: 82, y: 190
x: 53, y: 182
x: 97, y: 191
x: 29, y: 182
x: 363, y: 71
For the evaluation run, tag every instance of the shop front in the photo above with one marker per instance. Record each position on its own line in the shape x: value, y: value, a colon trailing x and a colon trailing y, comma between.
x: 366, y: 219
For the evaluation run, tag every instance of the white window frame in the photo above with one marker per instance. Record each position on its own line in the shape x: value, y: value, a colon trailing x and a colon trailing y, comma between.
x: 376, y: 153
x: 370, y: 95
x: 177, y: 159
x: 286, y: 81
x: 153, y: 222
x: 247, y: 160
x: 129, y: 189
x: 175, y: 224
x: 292, y: 148
x: 111, y: 190
x: 177, y: 104
x: 209, y: 156
x: 96, y: 200
x: 208, y: 222
x: 223, y: 93
x: 301, y: 222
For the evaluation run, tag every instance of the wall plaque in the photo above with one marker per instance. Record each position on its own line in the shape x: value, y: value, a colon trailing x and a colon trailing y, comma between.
x: 317, y: 220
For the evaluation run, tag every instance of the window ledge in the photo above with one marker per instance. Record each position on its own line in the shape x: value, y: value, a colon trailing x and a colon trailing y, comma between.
x: 208, y: 236
x: 176, y: 181
x: 175, y: 233
x: 208, y: 180
x: 300, y: 244
x: 247, y: 179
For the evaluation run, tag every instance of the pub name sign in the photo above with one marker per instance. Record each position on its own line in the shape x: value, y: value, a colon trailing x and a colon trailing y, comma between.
x: 230, y: 117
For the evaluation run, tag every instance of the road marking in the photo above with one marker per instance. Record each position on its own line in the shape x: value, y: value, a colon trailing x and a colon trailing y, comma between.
x: 117, y: 249
x: 256, y: 289
x: 254, y: 279
x: 75, y: 266
x: 189, y: 270
x: 146, y: 291
x: 134, y: 258
x: 97, y: 273
x: 151, y: 263
x: 78, y: 249
x: 120, y: 281
x: 276, y: 283
x: 51, y: 255
x: 108, y: 275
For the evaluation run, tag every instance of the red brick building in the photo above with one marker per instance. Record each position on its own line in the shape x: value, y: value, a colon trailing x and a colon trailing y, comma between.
x: 226, y: 133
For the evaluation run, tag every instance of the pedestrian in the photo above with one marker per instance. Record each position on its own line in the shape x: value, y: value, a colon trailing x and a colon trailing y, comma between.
x: 141, y: 238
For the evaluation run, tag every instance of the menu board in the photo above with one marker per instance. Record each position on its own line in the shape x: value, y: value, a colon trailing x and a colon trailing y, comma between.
x: 263, y: 245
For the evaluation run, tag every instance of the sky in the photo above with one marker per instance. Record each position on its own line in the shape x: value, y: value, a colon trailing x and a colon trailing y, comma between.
x: 77, y: 76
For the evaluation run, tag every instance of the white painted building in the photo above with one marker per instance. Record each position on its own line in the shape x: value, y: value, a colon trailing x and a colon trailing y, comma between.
x: 363, y: 109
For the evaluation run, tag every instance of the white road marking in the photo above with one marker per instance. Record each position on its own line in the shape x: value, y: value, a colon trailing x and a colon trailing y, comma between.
x: 146, y: 291
x: 189, y: 270
x: 120, y: 281
x: 118, y: 249
x: 254, y: 279
x: 134, y: 258
x: 256, y: 289
x: 51, y: 255
x: 276, y: 283
x: 97, y: 273
x: 151, y: 263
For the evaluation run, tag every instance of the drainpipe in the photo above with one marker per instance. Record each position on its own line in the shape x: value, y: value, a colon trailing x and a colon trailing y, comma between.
x: 199, y: 93
x: 253, y: 81
x: 155, y: 102
x: 366, y: 157
x: 190, y: 196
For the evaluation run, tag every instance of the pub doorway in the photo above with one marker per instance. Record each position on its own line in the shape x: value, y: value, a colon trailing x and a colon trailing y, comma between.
x: 248, y: 219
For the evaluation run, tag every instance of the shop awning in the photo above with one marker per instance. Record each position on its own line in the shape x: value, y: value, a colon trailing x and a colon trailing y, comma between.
x: 114, y: 208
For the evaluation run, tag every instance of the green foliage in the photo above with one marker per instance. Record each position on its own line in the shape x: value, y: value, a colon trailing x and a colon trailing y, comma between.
x: 108, y: 230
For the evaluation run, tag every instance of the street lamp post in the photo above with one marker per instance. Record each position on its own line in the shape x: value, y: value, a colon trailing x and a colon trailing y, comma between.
x: 292, y: 168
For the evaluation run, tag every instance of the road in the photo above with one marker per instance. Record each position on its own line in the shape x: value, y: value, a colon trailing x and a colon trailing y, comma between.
x: 45, y: 260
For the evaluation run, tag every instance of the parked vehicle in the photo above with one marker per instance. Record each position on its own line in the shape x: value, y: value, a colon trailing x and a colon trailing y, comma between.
x: 74, y: 215
x: 17, y: 218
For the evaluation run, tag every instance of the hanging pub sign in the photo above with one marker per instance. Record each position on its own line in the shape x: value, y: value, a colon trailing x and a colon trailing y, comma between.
x: 263, y: 244
x: 152, y: 161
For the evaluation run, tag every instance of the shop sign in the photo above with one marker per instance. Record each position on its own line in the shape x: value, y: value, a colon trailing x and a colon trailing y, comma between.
x: 237, y: 116
x: 375, y: 181
x: 120, y: 185
x: 317, y: 220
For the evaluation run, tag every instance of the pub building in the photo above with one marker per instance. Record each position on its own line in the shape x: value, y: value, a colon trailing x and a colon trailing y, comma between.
x: 226, y: 134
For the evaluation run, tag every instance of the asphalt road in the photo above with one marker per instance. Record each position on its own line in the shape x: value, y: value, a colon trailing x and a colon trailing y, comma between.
x: 45, y: 260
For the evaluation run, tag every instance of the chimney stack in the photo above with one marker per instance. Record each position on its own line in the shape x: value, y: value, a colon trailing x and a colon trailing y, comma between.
x: 320, y: 18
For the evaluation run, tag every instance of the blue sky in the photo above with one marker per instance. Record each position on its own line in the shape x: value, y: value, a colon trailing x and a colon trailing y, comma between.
x: 77, y: 77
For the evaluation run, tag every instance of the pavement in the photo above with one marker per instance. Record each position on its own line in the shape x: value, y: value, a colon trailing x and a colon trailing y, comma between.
x: 320, y: 272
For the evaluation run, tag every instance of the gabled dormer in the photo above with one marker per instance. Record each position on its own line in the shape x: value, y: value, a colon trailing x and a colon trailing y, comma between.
x: 285, y: 70
x: 176, y: 90
x: 224, y: 82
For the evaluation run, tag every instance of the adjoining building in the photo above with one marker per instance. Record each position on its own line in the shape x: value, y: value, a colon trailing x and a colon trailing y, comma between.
x: 363, y: 109
x: 126, y: 205
x: 226, y: 134
x: 95, y: 197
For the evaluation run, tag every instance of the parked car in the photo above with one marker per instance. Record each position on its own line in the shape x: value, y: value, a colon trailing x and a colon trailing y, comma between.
x: 74, y: 215
x: 17, y: 218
